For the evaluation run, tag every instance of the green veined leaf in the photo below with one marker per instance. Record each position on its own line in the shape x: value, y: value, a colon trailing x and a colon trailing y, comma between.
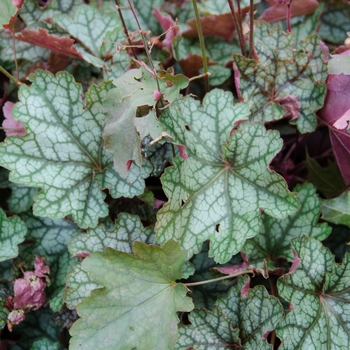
x: 241, y: 321
x: 12, y: 233
x: 285, y: 82
x: 318, y: 291
x: 138, y: 304
x: 62, y: 152
x: 273, y: 242
x: 217, y: 191
x: 127, y: 229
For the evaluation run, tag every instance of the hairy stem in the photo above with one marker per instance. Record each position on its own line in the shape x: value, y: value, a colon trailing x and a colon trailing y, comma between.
x: 251, y: 32
x: 201, y: 41
x: 132, y: 7
x: 10, y: 76
x: 289, y: 27
x: 219, y: 278
x: 126, y: 32
x: 237, y: 25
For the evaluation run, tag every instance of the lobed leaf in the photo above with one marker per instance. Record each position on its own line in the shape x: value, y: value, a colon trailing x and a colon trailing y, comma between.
x: 127, y: 229
x: 217, y: 191
x: 284, y: 82
x: 318, y: 291
x: 12, y: 233
x: 110, y: 318
x: 62, y: 152
x: 275, y: 236
x: 237, y: 322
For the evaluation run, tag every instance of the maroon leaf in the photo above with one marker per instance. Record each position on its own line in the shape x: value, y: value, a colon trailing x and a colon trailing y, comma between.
x: 42, y: 38
x: 278, y: 11
x: 337, y: 103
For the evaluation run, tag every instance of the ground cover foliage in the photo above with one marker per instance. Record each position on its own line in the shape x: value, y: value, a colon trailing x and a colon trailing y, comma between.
x: 174, y: 174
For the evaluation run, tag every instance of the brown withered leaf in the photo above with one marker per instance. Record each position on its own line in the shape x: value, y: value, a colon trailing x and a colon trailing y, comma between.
x: 192, y: 64
x: 42, y: 38
x: 277, y: 12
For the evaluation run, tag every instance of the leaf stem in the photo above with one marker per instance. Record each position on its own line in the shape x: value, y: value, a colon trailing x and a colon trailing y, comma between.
x: 289, y: 27
x: 126, y: 32
x: 132, y: 7
x: 237, y: 25
x: 219, y: 278
x: 199, y: 76
x: 9, y: 75
x: 251, y: 32
x: 201, y: 42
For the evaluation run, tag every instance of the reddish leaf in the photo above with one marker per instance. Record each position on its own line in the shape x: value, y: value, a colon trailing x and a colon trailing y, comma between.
x: 11, y: 23
x: 291, y: 105
x: 169, y: 26
x: 42, y: 38
x: 192, y: 64
x: 214, y: 25
x: 12, y: 127
x: 337, y: 103
x: 278, y: 11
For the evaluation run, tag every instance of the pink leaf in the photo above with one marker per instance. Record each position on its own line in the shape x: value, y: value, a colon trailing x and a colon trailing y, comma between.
x: 18, y: 3
x: 343, y: 121
x: 337, y: 104
x: 41, y: 270
x: 182, y: 150
x: 16, y: 317
x: 169, y: 26
x: 296, y: 262
x: 291, y: 105
x: 14, y: 127
x: 233, y: 269
x: 245, y: 288
x: 157, y: 95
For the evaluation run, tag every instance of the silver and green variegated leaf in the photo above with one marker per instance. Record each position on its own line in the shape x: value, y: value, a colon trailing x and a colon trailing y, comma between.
x: 128, y: 229
x: 62, y: 152
x: 79, y: 286
x: 12, y: 233
x: 284, y: 82
x: 218, y: 191
x: 275, y: 236
x: 241, y: 320
x: 318, y: 292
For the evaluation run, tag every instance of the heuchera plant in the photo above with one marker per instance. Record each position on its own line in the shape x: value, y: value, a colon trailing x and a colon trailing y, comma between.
x: 174, y: 174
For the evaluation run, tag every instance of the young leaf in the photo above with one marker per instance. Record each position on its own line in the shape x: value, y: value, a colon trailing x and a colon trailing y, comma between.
x: 128, y: 228
x: 273, y: 242
x: 62, y: 152
x: 12, y: 233
x: 217, y: 192
x: 318, y: 291
x: 238, y: 321
x: 285, y: 82
x: 137, y: 307
x: 337, y: 210
x: 80, y: 286
x: 124, y: 130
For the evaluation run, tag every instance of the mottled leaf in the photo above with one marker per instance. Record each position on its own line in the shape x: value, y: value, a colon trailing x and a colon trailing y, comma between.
x: 12, y: 233
x: 275, y: 236
x: 285, y: 82
x: 217, y: 191
x: 31, y: 12
x: 318, y: 291
x: 79, y: 286
x: 45, y: 344
x: 21, y: 198
x: 59, y: 269
x: 337, y: 210
x: 239, y: 321
x: 335, y: 21
x: 127, y: 229
x: 147, y: 320
x: 62, y: 151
